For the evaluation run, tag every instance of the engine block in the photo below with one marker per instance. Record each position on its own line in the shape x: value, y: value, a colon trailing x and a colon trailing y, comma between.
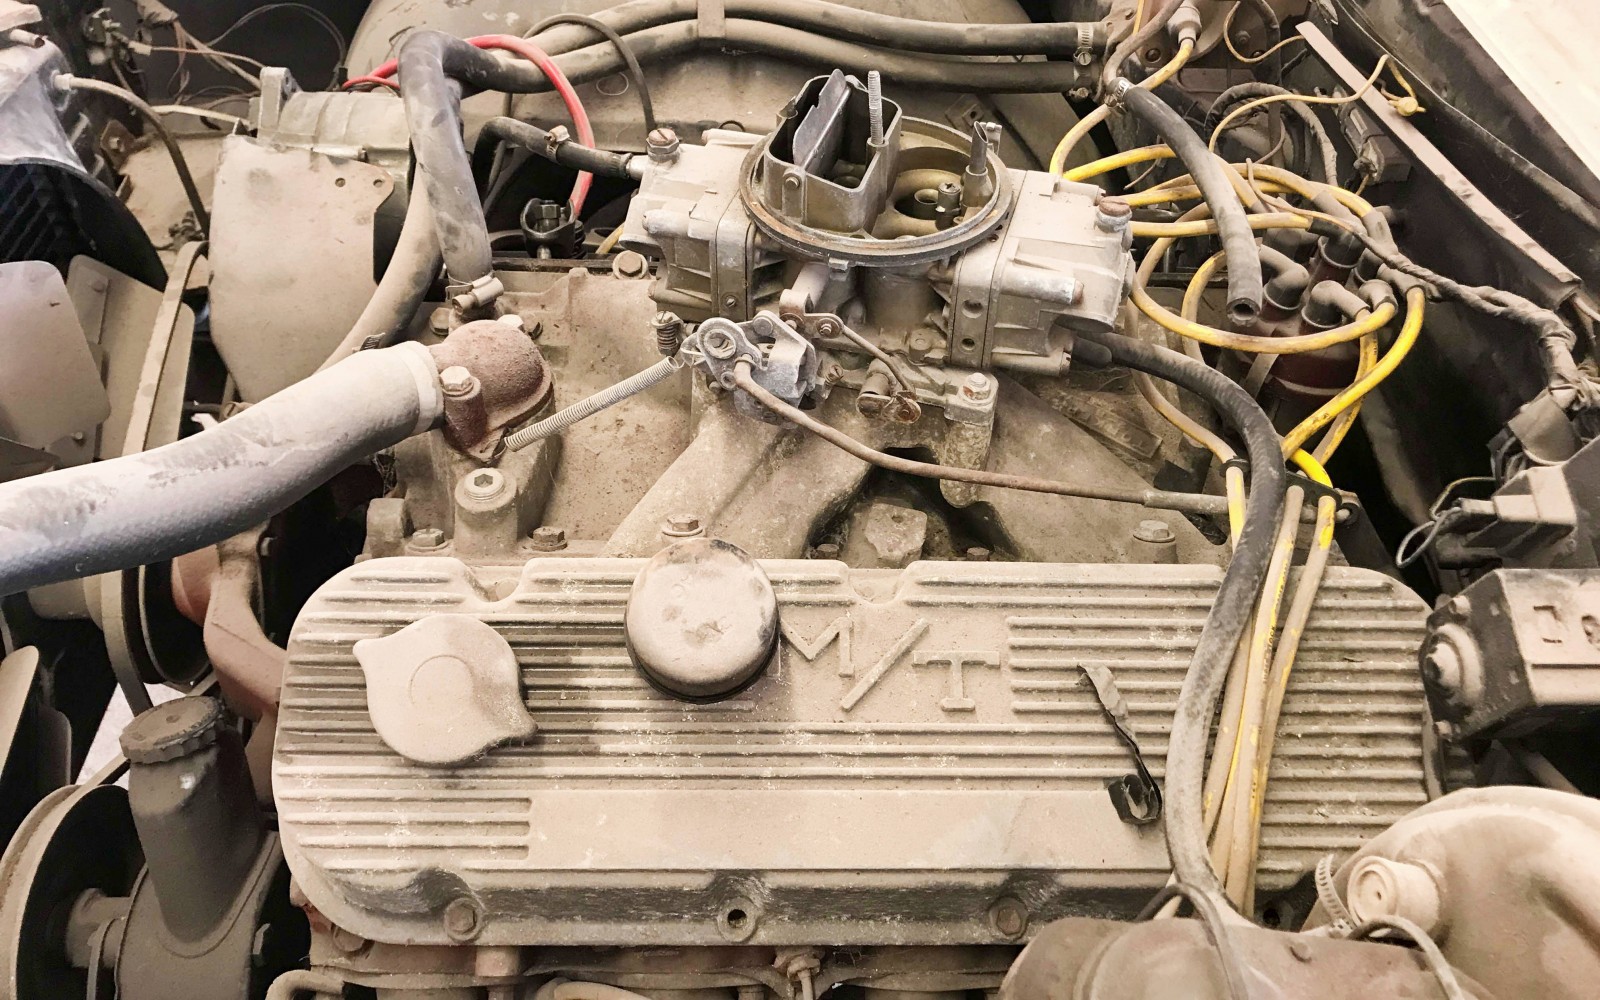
x: 924, y: 761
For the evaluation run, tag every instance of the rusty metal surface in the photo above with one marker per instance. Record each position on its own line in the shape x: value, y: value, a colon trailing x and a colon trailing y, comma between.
x: 925, y: 745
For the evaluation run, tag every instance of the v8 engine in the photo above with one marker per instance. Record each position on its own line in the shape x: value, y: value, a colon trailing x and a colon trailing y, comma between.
x: 798, y: 500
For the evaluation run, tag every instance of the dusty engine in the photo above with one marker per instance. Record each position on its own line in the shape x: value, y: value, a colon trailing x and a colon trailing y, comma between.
x: 786, y: 519
x: 931, y: 756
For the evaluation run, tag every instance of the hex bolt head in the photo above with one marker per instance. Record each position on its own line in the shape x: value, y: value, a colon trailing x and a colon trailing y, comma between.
x: 682, y: 526
x: 549, y: 538
x: 1009, y: 917
x: 1154, y: 532
x: 485, y: 484
x: 457, y: 381
x: 630, y: 264
x: 978, y: 386
x: 825, y: 550
x: 463, y: 919
x: 427, y: 538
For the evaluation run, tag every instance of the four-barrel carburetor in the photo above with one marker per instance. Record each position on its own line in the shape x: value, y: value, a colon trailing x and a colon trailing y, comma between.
x: 853, y: 234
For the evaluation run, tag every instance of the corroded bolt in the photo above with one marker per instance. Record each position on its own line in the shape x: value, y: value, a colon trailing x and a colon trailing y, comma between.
x: 463, y: 919
x: 427, y: 538
x: 825, y: 550
x: 682, y: 525
x: 549, y: 538
x: 485, y: 484
x: 978, y: 386
x: 662, y: 144
x: 1112, y: 215
x: 1009, y: 917
x: 457, y: 381
x: 978, y: 553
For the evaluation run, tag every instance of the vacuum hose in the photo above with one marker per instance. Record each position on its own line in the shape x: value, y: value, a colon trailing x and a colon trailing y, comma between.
x: 161, y: 503
x: 1210, y: 176
x: 1230, y: 612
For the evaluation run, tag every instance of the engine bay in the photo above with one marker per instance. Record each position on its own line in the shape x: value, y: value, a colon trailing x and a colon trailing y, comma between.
x: 758, y: 499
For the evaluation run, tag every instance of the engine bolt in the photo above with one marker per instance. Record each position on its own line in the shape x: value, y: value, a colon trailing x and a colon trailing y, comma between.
x: 463, y: 919
x: 668, y: 327
x: 549, y: 538
x: 875, y: 106
x: 978, y: 553
x: 662, y: 144
x: 1112, y: 215
x: 457, y: 381
x: 825, y: 550
x: 978, y: 386
x: 1154, y: 532
x: 630, y: 264
x: 427, y: 538
x: 1009, y: 917
x: 485, y: 484
x: 682, y: 526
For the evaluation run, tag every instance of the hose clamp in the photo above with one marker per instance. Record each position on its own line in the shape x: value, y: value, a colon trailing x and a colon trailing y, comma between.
x: 477, y: 293
x: 430, y: 393
x: 1118, y: 90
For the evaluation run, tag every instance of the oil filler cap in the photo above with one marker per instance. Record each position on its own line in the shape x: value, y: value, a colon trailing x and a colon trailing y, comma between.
x: 702, y: 620
x: 175, y: 729
x: 445, y: 689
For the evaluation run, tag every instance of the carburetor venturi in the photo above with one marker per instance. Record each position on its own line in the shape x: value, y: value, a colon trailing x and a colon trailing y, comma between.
x: 820, y: 187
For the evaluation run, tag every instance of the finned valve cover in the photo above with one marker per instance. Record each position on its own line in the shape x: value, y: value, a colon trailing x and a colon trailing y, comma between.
x: 924, y: 746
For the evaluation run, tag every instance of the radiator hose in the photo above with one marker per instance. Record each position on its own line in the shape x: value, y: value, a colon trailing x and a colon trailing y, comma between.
x: 161, y: 503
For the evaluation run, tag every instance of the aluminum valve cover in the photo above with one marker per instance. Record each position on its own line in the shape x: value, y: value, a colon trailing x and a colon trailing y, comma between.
x: 923, y: 759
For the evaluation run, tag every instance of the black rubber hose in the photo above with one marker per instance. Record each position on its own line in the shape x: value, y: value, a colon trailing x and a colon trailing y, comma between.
x: 624, y: 51
x: 1210, y: 176
x: 1230, y: 612
x: 1062, y: 38
x: 600, y: 162
x: 155, y: 505
x: 1327, y: 156
x: 899, y: 68
x: 434, y: 67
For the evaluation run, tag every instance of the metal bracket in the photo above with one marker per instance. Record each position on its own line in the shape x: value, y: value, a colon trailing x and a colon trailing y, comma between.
x: 783, y: 361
